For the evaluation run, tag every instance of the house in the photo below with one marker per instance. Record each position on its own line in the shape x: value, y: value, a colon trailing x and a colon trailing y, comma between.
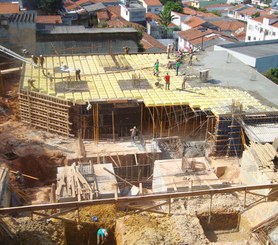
x: 156, y: 30
x: 153, y: 6
x: 201, y: 37
x: 244, y: 12
x: 151, y: 45
x: 231, y: 27
x: 191, y: 22
x: 178, y: 18
x: 193, y: 12
x: 133, y: 12
x: 262, y: 28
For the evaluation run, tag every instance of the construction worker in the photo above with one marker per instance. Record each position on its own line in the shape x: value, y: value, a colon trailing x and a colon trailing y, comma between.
x: 167, y: 81
x: 102, y: 236
x: 156, y: 68
x: 178, y: 64
x: 184, y: 81
x: 168, y: 51
x: 41, y: 60
x: 35, y: 59
x: 133, y: 134
x: 77, y: 75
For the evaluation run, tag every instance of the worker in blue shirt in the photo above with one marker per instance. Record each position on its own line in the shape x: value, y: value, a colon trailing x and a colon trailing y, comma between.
x: 102, y: 235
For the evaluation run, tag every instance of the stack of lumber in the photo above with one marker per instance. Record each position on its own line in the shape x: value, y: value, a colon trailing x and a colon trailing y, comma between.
x: 72, y: 185
x: 264, y: 155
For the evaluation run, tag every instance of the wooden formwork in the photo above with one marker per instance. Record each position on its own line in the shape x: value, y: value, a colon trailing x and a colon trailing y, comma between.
x: 45, y: 112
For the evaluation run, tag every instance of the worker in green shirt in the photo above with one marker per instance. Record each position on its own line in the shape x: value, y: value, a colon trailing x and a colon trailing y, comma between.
x: 102, y: 235
x: 178, y: 64
x: 156, y: 68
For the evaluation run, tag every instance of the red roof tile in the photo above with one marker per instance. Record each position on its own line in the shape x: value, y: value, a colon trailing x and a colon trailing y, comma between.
x: 80, y: 2
x: 49, y: 19
x: 249, y: 11
x: 102, y: 15
x: 232, y: 25
x: 207, y: 15
x: 194, y: 21
x: 189, y: 11
x: 193, y: 34
x: 106, y: 1
x: 9, y: 8
x: 149, y: 42
x: 151, y: 16
x: 114, y: 10
x: 70, y: 5
x: 153, y: 2
x: 218, y: 6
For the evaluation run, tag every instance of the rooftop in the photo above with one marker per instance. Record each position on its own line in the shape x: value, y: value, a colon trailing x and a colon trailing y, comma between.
x: 9, y: 8
x: 194, y: 21
x: 130, y: 77
x: 153, y: 2
x: 49, y: 19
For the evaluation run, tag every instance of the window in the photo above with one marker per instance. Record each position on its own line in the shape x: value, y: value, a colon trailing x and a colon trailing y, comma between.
x: 251, y: 28
x: 249, y: 38
x: 254, y: 38
x: 273, y: 33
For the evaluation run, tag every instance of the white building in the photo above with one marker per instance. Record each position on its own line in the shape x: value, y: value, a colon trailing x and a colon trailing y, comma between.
x: 178, y: 18
x: 153, y: 6
x: 262, y: 28
x: 133, y: 12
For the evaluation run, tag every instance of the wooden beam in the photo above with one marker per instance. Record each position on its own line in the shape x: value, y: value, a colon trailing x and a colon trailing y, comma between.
x: 118, y: 176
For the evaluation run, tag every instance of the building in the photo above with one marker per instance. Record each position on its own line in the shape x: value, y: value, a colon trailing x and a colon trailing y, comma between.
x: 153, y: 6
x: 262, y: 28
x: 133, y: 12
x: 261, y: 55
x: 118, y: 91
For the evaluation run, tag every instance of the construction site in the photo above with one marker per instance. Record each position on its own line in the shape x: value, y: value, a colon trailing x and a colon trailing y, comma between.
x: 97, y: 141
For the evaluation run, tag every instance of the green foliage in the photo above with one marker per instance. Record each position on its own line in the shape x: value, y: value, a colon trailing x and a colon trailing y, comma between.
x: 216, y: 12
x: 204, y: 10
x: 173, y: 6
x: 165, y: 18
x: 257, y: 14
x: 272, y: 74
x: 50, y: 6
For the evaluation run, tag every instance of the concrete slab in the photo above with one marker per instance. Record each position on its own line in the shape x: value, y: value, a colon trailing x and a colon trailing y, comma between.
x: 106, y: 182
x: 168, y: 176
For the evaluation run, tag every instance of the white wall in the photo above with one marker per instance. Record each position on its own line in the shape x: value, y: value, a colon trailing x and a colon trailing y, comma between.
x: 256, y: 31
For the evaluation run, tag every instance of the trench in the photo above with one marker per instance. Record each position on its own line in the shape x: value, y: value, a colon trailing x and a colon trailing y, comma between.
x: 222, y: 227
x: 84, y: 234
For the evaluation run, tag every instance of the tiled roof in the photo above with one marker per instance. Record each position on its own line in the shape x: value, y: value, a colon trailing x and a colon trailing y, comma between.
x: 189, y: 11
x: 237, y: 7
x: 153, y: 2
x: 193, y: 34
x: 261, y: 18
x: 70, y: 5
x: 120, y: 22
x: 149, y: 42
x: 49, y: 19
x: 207, y: 15
x: 249, y: 11
x: 151, y: 16
x: 194, y: 21
x: 80, y: 2
x: 114, y: 10
x: 218, y: 5
x: 102, y: 15
x: 9, y: 8
x: 227, y: 25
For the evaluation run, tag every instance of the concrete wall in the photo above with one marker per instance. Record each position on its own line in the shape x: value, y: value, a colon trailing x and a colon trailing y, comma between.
x: 265, y: 63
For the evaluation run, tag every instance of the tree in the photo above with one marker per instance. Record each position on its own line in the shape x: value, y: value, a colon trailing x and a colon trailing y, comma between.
x: 165, y: 19
x: 173, y: 6
x: 257, y: 14
x: 272, y: 74
x: 50, y: 6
